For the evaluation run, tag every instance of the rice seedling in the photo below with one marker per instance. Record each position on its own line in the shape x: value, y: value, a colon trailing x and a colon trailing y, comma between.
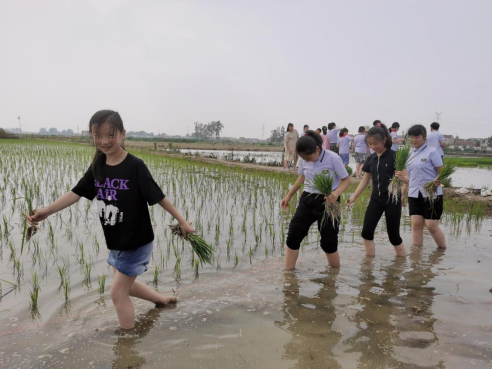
x: 101, y: 284
x: 87, y: 274
x: 66, y: 288
x: 197, y: 262
x: 156, y: 275
x: 62, y: 272
x: 444, y: 175
x: 323, y: 182
x: 204, y: 251
x: 96, y: 244
x: 34, y: 293
x: 395, y: 185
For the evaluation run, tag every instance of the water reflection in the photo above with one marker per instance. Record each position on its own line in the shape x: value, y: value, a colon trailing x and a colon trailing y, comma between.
x: 396, y: 315
x: 308, y: 316
x: 376, y: 304
x: 390, y: 316
x: 126, y: 354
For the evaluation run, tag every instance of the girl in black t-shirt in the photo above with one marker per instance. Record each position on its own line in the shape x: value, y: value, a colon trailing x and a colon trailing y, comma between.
x: 124, y: 188
x: 380, y: 168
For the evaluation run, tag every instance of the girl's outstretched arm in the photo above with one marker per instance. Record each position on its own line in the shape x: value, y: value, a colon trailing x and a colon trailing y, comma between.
x: 297, y: 185
x: 66, y: 200
x: 170, y: 208
x: 361, y: 187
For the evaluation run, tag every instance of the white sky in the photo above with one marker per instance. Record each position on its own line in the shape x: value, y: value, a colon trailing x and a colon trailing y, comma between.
x: 166, y: 64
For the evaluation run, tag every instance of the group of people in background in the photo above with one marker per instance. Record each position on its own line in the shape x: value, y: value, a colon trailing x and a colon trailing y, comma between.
x: 339, y: 141
x: 375, y: 156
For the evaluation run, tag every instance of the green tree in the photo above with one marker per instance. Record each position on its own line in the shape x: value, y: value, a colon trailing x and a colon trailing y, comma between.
x: 277, y: 135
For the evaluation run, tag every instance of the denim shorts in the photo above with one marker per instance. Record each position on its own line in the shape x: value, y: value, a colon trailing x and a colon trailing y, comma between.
x: 131, y: 263
x: 345, y: 158
x: 360, y: 157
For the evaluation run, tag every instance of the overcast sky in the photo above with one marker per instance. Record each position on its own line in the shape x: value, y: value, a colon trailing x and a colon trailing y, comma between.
x: 167, y: 64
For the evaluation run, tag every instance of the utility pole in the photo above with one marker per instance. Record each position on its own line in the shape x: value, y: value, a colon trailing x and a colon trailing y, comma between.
x: 20, y: 128
x: 438, y: 116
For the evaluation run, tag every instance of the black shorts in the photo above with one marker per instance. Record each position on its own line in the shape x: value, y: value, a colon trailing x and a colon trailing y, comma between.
x: 334, y: 148
x: 421, y: 206
x: 310, y: 209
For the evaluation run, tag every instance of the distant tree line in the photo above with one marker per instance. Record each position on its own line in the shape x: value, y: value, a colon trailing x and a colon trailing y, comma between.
x: 277, y: 135
x: 54, y: 131
x: 208, y: 130
x: 6, y: 135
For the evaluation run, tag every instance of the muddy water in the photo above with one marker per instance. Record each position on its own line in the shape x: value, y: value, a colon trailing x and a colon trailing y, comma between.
x: 432, y: 309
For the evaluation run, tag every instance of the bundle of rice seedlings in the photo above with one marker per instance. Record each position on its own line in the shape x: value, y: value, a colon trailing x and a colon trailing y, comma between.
x: 204, y: 251
x: 323, y: 182
x: 401, y: 160
x: 443, y: 177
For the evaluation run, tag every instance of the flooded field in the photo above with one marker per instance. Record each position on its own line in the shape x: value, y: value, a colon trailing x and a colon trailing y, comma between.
x: 470, y: 177
x: 432, y: 309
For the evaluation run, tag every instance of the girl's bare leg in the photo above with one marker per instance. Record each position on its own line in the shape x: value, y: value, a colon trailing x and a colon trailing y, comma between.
x: 418, y: 223
x: 142, y: 291
x: 433, y: 227
x: 295, y: 163
x: 291, y: 256
x: 333, y: 259
x: 120, y: 295
x: 285, y: 164
x: 400, y: 250
x: 369, y: 247
x: 358, y: 169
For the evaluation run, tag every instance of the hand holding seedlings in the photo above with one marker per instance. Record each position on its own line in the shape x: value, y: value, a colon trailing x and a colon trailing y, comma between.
x: 401, y: 176
x: 186, y: 229
x: 444, y: 174
x: 285, y: 202
x: 204, y: 251
x: 37, y: 215
x: 402, y: 158
x: 331, y: 198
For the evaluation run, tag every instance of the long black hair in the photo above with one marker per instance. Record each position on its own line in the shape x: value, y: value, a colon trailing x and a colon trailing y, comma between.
x: 382, y: 132
x: 288, y: 126
x: 95, y: 123
x: 308, y: 144
x: 331, y: 126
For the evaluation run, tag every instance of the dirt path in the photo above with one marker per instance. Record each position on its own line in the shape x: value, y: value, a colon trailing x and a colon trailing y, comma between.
x: 206, y: 146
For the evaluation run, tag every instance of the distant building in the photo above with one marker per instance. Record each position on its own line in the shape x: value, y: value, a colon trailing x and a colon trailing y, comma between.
x: 85, y: 133
x: 449, y: 139
x: 465, y: 143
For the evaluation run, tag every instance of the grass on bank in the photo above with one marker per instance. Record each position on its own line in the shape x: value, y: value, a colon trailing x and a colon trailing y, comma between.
x: 470, y: 162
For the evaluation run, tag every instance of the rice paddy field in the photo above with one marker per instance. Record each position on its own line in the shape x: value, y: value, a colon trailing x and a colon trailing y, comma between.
x: 431, y: 309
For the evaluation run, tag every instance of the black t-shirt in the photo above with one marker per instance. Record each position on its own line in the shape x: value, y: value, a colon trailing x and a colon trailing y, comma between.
x: 381, y: 170
x: 122, y: 199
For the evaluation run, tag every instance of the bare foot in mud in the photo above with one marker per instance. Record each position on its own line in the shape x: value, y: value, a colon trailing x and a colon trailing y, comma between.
x: 166, y: 301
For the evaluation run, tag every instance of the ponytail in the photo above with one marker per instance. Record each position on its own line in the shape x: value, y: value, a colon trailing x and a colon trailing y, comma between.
x: 324, y: 130
x: 308, y: 144
x: 381, y: 131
